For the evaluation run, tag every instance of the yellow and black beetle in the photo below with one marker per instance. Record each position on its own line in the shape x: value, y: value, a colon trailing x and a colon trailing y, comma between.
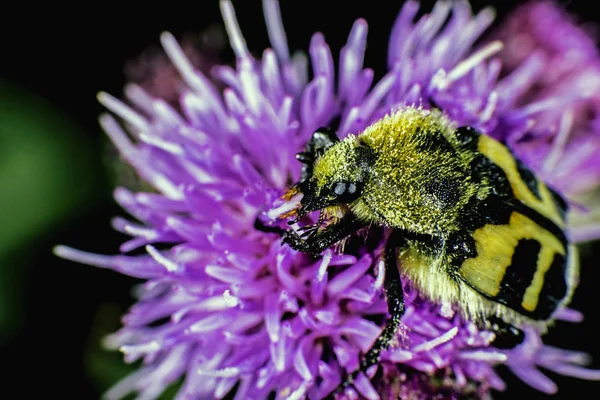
x: 470, y: 225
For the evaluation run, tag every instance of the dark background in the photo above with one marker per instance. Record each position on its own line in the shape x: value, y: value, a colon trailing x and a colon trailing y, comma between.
x: 61, y: 56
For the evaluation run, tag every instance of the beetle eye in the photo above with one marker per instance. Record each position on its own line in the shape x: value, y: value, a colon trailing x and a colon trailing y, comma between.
x: 339, y: 188
x: 345, y: 192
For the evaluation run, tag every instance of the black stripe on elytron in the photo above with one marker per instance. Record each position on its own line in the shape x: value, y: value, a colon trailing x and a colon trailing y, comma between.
x: 554, y: 288
x: 468, y: 137
x: 485, y: 170
x: 532, y: 183
x: 541, y: 221
x: 519, y: 275
x: 493, y: 210
x: 462, y: 246
x: 529, y: 179
x: 560, y: 202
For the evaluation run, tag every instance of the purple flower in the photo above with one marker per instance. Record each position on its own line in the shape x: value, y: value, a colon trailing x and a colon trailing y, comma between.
x: 225, y: 304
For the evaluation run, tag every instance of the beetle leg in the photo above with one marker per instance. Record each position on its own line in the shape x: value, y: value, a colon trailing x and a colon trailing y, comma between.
x: 321, y: 240
x: 395, y: 301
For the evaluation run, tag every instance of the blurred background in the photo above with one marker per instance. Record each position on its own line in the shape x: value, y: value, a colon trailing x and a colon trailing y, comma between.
x: 57, y: 172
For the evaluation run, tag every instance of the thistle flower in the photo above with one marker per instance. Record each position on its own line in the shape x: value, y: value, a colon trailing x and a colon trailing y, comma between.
x: 229, y: 308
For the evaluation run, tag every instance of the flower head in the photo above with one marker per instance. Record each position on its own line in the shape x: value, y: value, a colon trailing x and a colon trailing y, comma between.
x: 229, y: 307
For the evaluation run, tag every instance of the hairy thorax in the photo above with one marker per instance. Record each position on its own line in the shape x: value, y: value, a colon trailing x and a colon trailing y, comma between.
x: 419, y: 182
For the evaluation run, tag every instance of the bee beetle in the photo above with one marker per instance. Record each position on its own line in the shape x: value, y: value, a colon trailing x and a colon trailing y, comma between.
x: 468, y: 223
